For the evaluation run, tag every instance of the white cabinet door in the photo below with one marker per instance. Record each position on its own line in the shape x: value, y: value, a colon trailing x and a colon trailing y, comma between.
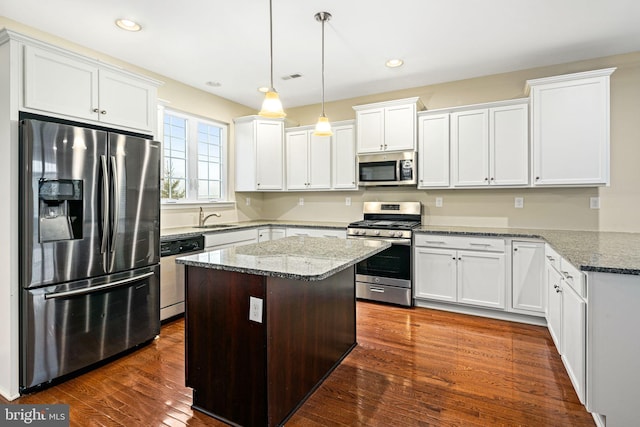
x: 126, y: 101
x: 481, y: 278
x: 264, y: 234
x: 344, y: 157
x: 370, y: 135
x: 554, y: 305
x: 470, y: 148
x: 60, y: 84
x: 297, y: 151
x: 278, y: 233
x: 528, y: 276
x: 574, y: 318
x: 435, y: 274
x: 508, y: 145
x: 433, y: 150
x: 570, y: 129
x: 269, y: 149
x: 319, y: 162
x: 400, y: 128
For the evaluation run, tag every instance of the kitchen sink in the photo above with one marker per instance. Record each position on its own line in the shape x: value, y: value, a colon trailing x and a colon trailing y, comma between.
x: 213, y: 226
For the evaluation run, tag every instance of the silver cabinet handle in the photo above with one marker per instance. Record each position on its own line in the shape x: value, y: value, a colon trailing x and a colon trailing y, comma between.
x: 92, y: 289
x: 435, y: 242
x: 378, y: 290
x: 484, y: 245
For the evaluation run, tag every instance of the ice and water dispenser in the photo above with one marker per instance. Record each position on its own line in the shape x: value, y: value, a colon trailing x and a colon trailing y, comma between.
x: 60, y: 210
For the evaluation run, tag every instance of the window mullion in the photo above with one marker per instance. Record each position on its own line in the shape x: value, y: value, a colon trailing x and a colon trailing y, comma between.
x: 192, y: 153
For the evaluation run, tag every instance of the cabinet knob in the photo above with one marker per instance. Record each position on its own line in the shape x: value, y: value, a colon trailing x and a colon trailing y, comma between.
x: 491, y: 178
x: 381, y: 146
x: 459, y: 259
x: 515, y: 249
x: 537, y: 178
x: 95, y: 110
x: 103, y: 112
x: 486, y: 179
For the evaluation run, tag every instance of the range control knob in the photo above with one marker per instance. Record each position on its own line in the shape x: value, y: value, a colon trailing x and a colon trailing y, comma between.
x: 377, y: 232
x: 398, y: 233
x: 392, y: 233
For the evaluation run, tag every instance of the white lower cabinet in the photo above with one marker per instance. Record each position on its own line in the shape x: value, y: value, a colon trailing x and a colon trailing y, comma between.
x: 472, y: 277
x: 316, y: 232
x: 574, y: 331
x: 567, y: 319
x: 227, y: 239
x: 528, y: 277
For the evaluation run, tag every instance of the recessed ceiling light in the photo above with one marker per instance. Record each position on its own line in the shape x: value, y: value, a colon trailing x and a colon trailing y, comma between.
x: 128, y: 25
x: 213, y: 84
x: 393, y: 63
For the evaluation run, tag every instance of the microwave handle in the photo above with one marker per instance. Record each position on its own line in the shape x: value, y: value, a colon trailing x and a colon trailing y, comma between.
x: 398, y: 177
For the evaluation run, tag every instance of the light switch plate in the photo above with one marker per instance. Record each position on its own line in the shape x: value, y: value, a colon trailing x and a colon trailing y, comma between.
x: 519, y: 202
x: 248, y: 201
x: 438, y: 202
x: 301, y: 201
x: 255, y: 309
x: 594, y: 202
x: 347, y: 201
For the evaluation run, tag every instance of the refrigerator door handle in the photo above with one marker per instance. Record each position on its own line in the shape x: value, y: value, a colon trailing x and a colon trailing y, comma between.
x: 105, y: 203
x: 116, y: 202
x: 93, y: 289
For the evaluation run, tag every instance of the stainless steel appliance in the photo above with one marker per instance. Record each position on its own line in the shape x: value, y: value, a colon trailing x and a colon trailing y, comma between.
x: 386, y: 276
x: 172, y: 281
x: 89, y: 246
x: 387, y: 169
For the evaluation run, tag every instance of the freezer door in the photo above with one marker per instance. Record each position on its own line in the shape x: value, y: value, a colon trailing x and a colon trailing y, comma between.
x: 68, y: 327
x: 62, y: 204
x: 135, y: 202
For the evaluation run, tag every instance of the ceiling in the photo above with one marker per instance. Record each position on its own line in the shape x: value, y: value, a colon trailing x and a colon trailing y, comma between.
x: 199, y: 41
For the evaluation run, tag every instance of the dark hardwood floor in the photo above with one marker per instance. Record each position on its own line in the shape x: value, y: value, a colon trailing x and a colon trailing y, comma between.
x: 412, y: 367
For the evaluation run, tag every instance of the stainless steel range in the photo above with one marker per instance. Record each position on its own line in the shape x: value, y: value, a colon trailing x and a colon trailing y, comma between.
x: 386, y: 277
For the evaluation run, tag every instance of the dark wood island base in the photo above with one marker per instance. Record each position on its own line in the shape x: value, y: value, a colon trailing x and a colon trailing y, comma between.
x: 253, y: 373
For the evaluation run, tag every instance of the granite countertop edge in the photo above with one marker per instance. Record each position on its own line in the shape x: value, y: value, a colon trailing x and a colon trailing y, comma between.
x: 346, y: 263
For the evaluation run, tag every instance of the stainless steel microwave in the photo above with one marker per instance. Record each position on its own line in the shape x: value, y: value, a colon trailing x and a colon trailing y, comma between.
x: 387, y: 169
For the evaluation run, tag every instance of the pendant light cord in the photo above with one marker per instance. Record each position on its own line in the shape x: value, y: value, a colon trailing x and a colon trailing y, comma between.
x: 323, y: 19
x: 271, y: 42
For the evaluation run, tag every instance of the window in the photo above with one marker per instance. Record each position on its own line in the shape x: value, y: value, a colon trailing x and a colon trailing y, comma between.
x: 194, y: 154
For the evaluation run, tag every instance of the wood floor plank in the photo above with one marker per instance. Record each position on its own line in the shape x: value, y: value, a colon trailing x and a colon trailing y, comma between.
x: 412, y: 367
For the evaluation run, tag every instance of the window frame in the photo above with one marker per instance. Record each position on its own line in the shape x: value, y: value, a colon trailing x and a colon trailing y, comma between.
x: 191, y: 178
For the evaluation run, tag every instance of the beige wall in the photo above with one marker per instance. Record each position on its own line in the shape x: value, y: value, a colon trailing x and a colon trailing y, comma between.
x: 543, y: 208
x: 560, y: 208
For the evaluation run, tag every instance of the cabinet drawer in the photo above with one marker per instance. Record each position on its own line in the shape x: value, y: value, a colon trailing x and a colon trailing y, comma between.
x: 455, y: 242
x: 230, y: 237
x: 574, y: 277
x: 552, y: 257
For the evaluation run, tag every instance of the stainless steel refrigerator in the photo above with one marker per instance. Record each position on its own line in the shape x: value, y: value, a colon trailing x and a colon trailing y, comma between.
x: 89, y: 247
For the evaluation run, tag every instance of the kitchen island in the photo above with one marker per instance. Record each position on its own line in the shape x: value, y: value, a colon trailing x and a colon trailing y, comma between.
x: 267, y: 322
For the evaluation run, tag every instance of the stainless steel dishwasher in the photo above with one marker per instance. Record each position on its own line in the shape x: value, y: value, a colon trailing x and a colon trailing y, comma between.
x: 172, y: 274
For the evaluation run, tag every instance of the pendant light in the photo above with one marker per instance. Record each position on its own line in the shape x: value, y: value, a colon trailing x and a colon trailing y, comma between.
x: 323, y: 127
x: 271, y: 106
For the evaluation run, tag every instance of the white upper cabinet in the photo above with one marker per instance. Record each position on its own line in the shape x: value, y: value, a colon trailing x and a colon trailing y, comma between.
x: 69, y: 85
x: 344, y: 156
x: 489, y: 145
x: 308, y: 160
x: 570, y: 129
x: 259, y: 144
x: 387, y: 126
x: 433, y: 150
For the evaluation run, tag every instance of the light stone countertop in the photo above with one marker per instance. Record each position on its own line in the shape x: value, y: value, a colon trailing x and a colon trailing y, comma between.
x: 181, y: 232
x: 605, y: 252
x: 297, y: 257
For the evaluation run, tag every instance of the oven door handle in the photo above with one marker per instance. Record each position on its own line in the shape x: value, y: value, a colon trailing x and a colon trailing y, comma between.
x: 92, y: 289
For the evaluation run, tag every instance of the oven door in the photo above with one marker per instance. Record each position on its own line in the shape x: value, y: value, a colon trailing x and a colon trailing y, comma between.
x: 386, y: 276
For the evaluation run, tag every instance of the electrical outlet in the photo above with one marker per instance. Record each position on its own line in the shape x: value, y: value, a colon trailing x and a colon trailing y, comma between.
x: 248, y: 201
x: 301, y: 201
x: 438, y: 202
x: 255, y: 309
x: 594, y: 202
x: 519, y: 202
x: 347, y: 201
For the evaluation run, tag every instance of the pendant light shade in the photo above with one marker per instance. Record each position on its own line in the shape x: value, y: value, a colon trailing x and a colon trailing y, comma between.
x: 271, y: 106
x: 323, y: 127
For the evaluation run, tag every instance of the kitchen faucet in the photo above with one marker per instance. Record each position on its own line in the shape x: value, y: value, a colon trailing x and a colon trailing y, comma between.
x: 203, y: 218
